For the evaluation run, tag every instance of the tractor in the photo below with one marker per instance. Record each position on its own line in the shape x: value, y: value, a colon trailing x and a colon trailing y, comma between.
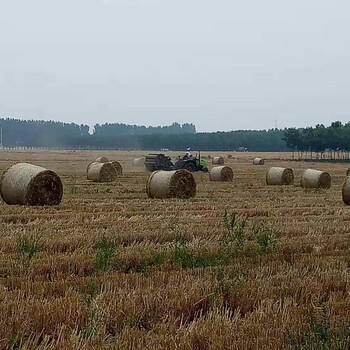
x: 160, y: 161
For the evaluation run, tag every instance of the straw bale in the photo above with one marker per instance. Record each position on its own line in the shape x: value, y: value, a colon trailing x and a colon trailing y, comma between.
x: 171, y: 184
x: 29, y: 184
x: 280, y: 176
x: 101, y: 172
x: 221, y: 173
x: 315, y: 179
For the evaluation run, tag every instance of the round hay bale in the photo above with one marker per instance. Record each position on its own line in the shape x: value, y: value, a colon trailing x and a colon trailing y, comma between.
x: 101, y: 172
x: 280, y: 176
x: 102, y: 160
x: 87, y: 168
x: 315, y: 179
x: 230, y: 156
x: 348, y: 172
x: 29, y: 184
x: 139, y: 162
x: 218, y: 161
x: 118, y: 167
x: 171, y: 184
x: 221, y: 173
x: 346, y: 191
x: 258, y: 161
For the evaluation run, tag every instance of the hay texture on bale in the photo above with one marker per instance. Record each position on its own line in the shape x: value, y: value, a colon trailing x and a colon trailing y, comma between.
x: 315, y: 179
x: 346, y: 191
x: 101, y: 172
x: 280, y: 176
x: 218, y: 161
x: 258, y: 161
x: 139, y: 162
x: 29, y: 184
x: 221, y: 173
x: 118, y: 167
x: 171, y: 184
x: 102, y: 160
x: 348, y: 172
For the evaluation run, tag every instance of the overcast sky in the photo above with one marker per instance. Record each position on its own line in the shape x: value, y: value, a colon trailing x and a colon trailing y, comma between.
x: 223, y: 64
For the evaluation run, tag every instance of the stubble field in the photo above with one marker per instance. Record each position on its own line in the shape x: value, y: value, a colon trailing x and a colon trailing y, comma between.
x: 240, y: 266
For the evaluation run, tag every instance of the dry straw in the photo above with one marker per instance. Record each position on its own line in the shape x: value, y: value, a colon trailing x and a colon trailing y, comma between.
x: 171, y: 184
x: 118, y: 167
x: 221, y: 173
x: 280, y: 176
x: 258, y: 161
x: 315, y: 179
x: 138, y: 162
x: 346, y: 191
x: 101, y: 172
x: 29, y: 184
x: 218, y: 161
x: 102, y: 160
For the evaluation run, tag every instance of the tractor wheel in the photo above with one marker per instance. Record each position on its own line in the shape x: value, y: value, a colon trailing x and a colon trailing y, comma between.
x: 190, y: 167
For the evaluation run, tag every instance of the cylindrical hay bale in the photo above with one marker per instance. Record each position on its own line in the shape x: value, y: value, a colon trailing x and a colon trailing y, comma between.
x: 348, y: 172
x: 171, y: 184
x: 315, y: 179
x: 221, y: 173
x: 218, y: 161
x: 29, y: 184
x: 258, y: 161
x: 346, y: 191
x: 139, y: 162
x: 230, y: 156
x: 280, y: 176
x: 101, y: 172
x: 102, y: 160
x: 118, y: 167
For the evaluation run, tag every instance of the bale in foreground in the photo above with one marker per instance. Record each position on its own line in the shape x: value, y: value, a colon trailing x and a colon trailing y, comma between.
x: 138, y: 162
x: 280, y: 176
x: 346, y: 191
x: 221, y: 173
x: 218, y: 161
x: 258, y: 161
x: 101, y: 172
x: 171, y: 184
x: 315, y: 179
x: 102, y: 160
x: 118, y: 167
x: 29, y: 184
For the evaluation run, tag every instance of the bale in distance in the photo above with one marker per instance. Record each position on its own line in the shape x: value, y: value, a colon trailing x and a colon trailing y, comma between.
x: 118, y: 167
x: 102, y: 160
x: 218, y: 161
x: 221, y: 173
x: 171, y: 184
x: 29, y: 184
x: 346, y: 191
x: 138, y: 162
x: 230, y: 156
x: 258, y: 161
x: 101, y: 172
x: 315, y: 179
x: 280, y: 176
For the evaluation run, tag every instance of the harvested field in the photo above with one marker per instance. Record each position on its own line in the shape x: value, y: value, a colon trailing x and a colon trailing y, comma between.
x: 242, y: 265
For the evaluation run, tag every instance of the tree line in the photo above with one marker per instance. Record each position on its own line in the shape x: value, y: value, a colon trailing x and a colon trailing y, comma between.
x: 320, y: 141
x: 52, y: 134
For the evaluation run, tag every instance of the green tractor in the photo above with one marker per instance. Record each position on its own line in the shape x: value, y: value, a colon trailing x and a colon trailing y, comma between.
x: 160, y: 161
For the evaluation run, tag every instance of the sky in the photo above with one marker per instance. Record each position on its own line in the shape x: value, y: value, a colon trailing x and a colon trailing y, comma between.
x: 222, y: 65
